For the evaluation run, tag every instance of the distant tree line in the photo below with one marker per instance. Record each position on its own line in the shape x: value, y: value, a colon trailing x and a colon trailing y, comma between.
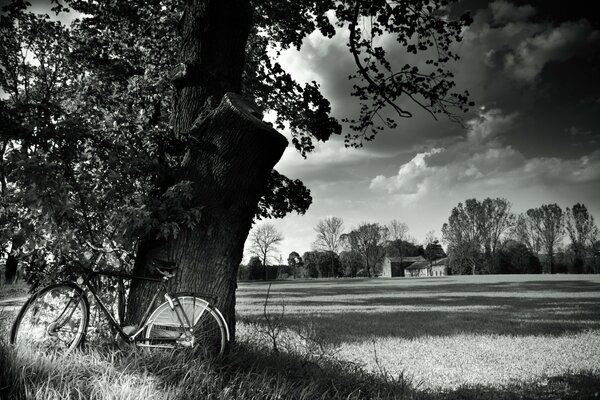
x: 335, y: 253
x: 486, y: 237
x: 481, y: 237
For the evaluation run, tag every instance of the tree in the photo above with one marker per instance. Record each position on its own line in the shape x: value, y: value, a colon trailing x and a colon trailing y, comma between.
x: 398, y: 234
x: 516, y: 258
x: 549, y: 222
x: 368, y: 240
x: 255, y: 269
x: 263, y: 242
x: 434, y: 251
x: 497, y: 220
x: 474, y: 232
x: 525, y: 231
x: 295, y: 263
x: 351, y: 263
x: 329, y: 231
x: 582, y: 231
x: 181, y: 177
x: 462, y: 233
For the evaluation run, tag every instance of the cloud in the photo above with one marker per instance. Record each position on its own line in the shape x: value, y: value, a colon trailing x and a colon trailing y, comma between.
x: 481, y: 162
x: 503, y: 11
x: 513, y: 44
x: 558, y: 44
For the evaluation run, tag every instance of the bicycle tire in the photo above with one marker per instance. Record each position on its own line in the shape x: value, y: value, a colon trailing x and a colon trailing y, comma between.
x: 49, y: 320
x: 210, y: 331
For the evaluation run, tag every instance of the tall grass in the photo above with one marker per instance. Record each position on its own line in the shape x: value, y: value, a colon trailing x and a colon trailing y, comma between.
x: 324, y: 354
x: 246, y: 373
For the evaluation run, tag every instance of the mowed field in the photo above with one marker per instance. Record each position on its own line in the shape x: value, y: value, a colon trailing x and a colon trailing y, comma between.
x: 440, y: 333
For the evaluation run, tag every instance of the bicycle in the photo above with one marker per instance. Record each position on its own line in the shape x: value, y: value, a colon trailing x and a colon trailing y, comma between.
x: 57, y: 316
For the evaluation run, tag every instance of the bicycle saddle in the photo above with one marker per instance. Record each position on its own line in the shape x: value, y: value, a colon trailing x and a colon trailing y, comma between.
x: 164, y: 265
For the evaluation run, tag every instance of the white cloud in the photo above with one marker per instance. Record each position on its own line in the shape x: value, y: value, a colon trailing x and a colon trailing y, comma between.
x: 329, y: 161
x: 481, y: 162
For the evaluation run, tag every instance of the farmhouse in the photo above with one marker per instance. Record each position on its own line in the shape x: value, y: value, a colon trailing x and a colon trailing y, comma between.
x: 395, y: 266
x: 425, y: 268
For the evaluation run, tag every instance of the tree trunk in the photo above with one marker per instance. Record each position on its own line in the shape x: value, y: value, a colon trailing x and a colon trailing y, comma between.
x: 229, y: 171
x: 10, y: 273
x: 229, y: 166
x: 12, y: 261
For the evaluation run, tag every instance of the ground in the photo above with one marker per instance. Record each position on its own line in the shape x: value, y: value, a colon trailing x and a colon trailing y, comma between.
x: 444, y: 333
x: 469, y: 337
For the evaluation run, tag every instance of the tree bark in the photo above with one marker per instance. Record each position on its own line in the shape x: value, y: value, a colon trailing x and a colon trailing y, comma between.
x: 229, y: 166
x: 12, y: 261
x: 229, y: 171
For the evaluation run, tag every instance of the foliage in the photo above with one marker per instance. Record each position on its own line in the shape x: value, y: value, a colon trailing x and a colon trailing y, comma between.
x: 322, y: 264
x: 549, y: 223
x: 474, y: 232
x: 351, y: 262
x: 295, y: 265
x: 583, y: 232
x: 434, y: 251
x: 256, y: 269
x: 88, y: 150
x: 516, y: 258
x: 403, y: 248
x: 368, y: 240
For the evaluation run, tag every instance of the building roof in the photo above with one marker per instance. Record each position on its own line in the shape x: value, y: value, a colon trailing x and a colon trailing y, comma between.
x: 425, y: 264
x: 406, y: 259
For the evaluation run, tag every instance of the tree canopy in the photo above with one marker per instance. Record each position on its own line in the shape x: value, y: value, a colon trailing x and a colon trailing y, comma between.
x: 88, y: 148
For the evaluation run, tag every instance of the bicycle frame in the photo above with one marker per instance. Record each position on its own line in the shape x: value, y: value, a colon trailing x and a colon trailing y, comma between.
x: 86, y: 282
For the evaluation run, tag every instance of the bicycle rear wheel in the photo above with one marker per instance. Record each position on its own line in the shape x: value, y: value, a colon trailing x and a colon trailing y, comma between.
x: 209, y: 333
x: 55, y: 318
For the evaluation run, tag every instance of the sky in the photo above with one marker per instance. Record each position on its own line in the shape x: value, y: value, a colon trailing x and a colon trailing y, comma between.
x: 531, y: 67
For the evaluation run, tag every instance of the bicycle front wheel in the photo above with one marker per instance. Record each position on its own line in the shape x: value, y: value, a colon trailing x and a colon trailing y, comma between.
x: 192, y: 323
x: 55, y: 318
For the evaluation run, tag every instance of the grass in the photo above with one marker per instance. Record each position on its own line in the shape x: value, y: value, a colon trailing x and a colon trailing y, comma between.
x: 18, y: 289
x: 519, y: 337
x: 449, y: 333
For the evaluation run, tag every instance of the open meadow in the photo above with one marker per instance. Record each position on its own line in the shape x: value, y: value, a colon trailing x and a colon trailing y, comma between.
x: 441, y: 333
x: 467, y: 337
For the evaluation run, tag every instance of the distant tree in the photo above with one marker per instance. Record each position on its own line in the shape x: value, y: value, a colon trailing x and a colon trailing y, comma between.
x: 312, y: 264
x: 474, y: 232
x: 317, y: 264
x: 351, y: 262
x: 583, y: 232
x: 525, y: 231
x: 263, y: 242
x: 368, y: 240
x: 497, y: 219
x: 434, y: 251
x: 549, y: 222
x: 295, y: 264
x: 406, y: 248
x: 516, y: 258
x: 463, y: 235
x: 255, y: 269
x: 329, y: 231
x: 397, y: 235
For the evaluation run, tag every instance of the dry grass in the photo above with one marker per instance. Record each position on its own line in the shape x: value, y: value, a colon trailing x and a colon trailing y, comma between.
x: 450, y: 333
x: 462, y: 337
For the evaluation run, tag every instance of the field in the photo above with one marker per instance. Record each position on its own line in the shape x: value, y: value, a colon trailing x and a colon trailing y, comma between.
x: 444, y: 333
x: 483, y: 337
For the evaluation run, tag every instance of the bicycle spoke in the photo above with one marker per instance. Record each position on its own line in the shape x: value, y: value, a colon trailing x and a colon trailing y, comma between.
x: 53, y: 320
